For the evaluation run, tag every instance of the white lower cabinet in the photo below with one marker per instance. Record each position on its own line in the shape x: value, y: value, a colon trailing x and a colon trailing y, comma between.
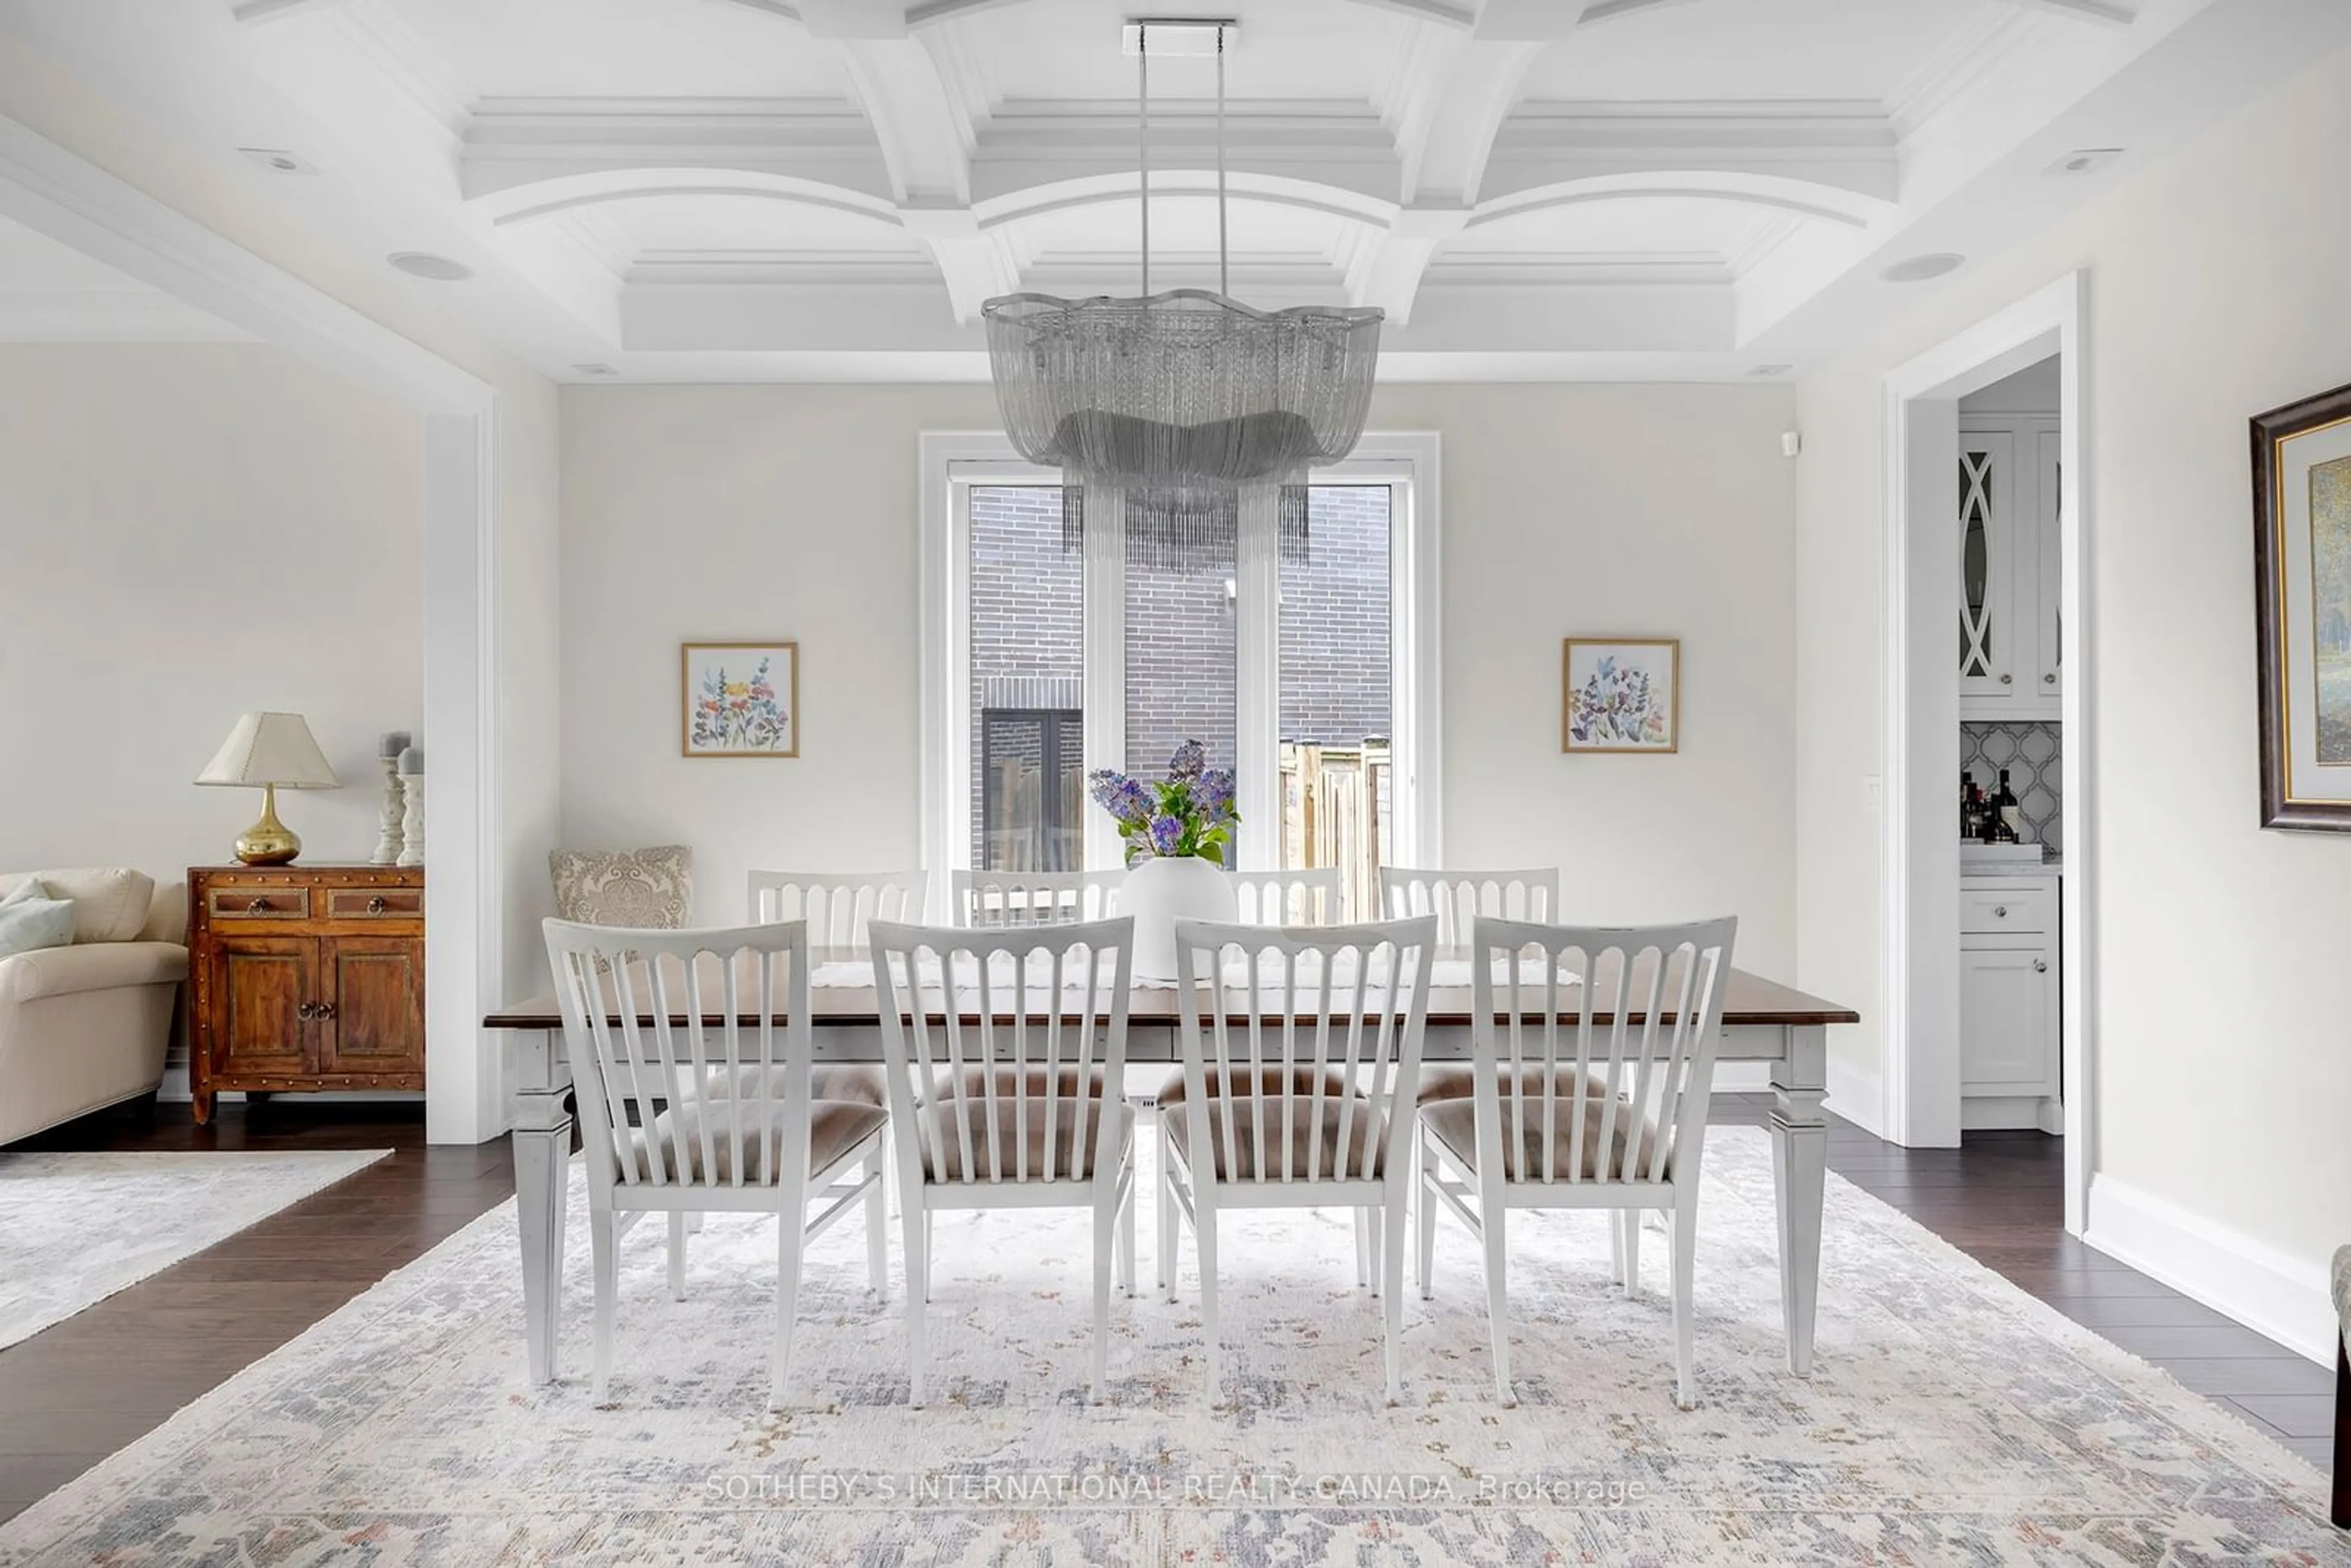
x: 2008, y: 1030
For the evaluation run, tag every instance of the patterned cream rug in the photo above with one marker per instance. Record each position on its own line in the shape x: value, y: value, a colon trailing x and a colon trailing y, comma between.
x: 1951, y: 1419
x: 77, y: 1227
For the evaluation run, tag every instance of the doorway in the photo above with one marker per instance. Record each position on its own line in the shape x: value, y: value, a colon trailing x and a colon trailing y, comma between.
x: 1956, y: 583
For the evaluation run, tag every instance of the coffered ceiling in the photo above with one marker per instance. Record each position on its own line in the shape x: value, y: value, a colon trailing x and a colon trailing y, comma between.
x: 1687, y: 189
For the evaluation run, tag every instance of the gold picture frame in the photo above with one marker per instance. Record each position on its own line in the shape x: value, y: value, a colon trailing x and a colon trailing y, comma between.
x: 1608, y: 699
x: 739, y: 699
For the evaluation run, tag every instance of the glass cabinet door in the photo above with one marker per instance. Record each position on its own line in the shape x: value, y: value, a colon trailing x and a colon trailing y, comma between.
x: 1987, y: 575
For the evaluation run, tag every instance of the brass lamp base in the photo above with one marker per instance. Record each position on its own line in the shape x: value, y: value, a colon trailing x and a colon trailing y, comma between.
x: 268, y: 842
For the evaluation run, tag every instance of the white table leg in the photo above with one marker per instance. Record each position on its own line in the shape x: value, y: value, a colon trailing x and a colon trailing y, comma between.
x: 542, y: 1160
x: 1800, y: 1149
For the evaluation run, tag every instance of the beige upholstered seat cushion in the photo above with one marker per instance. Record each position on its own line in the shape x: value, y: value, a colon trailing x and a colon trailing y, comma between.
x: 1448, y: 1109
x: 850, y: 1082
x: 1301, y: 1082
x: 643, y: 890
x: 1020, y: 1113
x: 110, y: 902
x: 835, y: 1126
x: 1313, y: 1144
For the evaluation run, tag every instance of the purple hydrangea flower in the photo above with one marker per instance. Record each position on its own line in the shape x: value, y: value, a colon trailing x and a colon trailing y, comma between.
x: 1189, y: 759
x: 1166, y: 832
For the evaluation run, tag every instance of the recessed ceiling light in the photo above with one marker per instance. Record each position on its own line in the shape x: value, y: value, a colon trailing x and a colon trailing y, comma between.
x: 1918, y: 268
x: 2083, y: 161
x: 596, y: 370
x: 1771, y: 370
x: 424, y: 264
x: 277, y: 161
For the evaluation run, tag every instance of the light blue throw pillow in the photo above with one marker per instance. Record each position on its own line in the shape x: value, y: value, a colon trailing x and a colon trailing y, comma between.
x: 30, y: 920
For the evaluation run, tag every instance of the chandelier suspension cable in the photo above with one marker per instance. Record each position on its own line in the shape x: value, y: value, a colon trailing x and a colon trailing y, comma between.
x: 1143, y: 138
x: 1224, y: 263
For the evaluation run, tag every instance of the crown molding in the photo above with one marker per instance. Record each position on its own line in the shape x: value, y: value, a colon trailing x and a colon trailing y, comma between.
x: 512, y: 144
x: 129, y: 315
x: 2102, y: 12
x: 381, y: 37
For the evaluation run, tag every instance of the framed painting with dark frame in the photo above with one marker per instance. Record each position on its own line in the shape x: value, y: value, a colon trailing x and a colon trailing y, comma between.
x: 2302, y: 600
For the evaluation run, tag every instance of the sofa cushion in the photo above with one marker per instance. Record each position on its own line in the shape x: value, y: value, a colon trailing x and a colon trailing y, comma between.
x: 109, y: 903
x: 29, y: 921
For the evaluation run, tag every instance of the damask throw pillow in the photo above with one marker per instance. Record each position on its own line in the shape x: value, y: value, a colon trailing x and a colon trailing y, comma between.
x: 645, y: 889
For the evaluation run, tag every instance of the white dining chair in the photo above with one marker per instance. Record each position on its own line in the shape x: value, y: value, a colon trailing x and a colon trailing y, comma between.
x: 838, y: 906
x: 1299, y: 897
x: 1457, y: 898
x: 1588, y: 1092
x: 989, y: 899
x: 693, y: 1096
x: 1006, y: 1052
x: 1301, y: 1070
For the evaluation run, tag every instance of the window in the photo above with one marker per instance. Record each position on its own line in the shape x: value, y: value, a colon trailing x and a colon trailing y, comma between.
x: 1311, y: 674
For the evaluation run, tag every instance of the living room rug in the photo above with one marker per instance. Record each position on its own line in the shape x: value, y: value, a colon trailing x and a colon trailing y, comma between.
x: 77, y: 1227
x: 1950, y: 1419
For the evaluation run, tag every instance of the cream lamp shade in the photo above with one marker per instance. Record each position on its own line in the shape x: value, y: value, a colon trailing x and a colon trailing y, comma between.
x: 264, y: 751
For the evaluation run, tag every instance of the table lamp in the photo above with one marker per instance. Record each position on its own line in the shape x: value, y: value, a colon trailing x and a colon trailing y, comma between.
x: 268, y: 749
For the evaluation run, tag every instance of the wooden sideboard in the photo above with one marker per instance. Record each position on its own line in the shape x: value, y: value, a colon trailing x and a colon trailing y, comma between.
x: 305, y: 977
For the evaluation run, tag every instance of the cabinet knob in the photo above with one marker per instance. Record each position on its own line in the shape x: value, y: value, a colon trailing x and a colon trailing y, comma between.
x: 1999, y: 911
x: 325, y: 1010
x: 2049, y: 680
x: 258, y: 905
x: 376, y: 905
x: 2008, y: 680
x: 2041, y: 965
x: 306, y: 1010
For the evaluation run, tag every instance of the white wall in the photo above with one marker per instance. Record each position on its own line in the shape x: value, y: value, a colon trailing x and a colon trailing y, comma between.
x: 2222, y: 1082
x: 743, y: 512
x: 192, y: 531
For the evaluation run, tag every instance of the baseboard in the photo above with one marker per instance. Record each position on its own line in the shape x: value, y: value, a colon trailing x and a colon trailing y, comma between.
x: 1857, y: 1096
x: 173, y: 1091
x: 2012, y: 1114
x: 2260, y: 1287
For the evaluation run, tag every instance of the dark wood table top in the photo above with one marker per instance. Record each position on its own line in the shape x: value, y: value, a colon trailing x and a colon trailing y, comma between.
x: 1751, y: 999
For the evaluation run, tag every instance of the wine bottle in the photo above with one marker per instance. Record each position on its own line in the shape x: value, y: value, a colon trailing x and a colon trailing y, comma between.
x: 1971, y: 824
x: 2010, y: 816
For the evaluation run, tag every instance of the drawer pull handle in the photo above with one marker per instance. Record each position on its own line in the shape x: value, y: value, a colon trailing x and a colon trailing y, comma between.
x: 1999, y: 912
x: 2041, y: 965
x: 376, y: 905
x: 259, y: 905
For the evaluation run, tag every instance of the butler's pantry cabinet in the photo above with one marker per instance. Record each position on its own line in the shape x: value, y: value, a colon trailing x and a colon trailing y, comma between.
x: 2008, y: 567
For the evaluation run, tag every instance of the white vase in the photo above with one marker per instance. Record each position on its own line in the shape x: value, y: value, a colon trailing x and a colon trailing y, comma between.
x: 1164, y: 888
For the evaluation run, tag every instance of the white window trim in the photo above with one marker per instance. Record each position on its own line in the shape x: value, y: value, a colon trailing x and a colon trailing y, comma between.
x: 951, y: 462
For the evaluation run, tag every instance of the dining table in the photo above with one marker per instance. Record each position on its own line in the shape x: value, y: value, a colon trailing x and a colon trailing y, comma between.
x: 1762, y: 1020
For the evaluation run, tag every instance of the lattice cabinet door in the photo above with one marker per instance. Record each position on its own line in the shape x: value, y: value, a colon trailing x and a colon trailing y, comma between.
x: 1987, y: 541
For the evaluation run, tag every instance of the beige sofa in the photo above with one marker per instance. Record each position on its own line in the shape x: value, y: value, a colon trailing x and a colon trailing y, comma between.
x: 86, y: 1025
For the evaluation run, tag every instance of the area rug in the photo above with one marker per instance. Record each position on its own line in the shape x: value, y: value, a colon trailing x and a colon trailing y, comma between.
x: 77, y: 1227
x: 1950, y: 1419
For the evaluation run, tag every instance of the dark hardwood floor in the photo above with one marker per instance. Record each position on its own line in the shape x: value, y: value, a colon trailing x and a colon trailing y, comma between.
x: 98, y: 1381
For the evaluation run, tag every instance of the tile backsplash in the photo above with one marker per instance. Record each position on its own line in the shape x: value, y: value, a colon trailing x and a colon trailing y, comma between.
x: 2029, y: 752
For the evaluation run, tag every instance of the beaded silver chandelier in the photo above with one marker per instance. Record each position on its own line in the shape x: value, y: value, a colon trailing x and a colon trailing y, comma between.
x: 1181, y: 410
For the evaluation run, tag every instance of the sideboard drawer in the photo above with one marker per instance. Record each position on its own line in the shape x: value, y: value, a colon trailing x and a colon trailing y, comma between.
x: 375, y: 903
x: 1987, y: 911
x: 260, y: 902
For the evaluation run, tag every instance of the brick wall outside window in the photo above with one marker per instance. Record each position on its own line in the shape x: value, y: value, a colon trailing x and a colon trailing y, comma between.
x: 1028, y: 620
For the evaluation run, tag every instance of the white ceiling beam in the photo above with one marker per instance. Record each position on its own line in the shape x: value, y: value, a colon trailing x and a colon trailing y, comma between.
x: 1845, y: 146
x: 513, y: 143
x: 2104, y: 13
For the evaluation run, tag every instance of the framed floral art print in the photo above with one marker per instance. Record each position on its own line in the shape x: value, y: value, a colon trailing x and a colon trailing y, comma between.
x: 1621, y: 694
x: 2302, y: 600
x: 741, y: 699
